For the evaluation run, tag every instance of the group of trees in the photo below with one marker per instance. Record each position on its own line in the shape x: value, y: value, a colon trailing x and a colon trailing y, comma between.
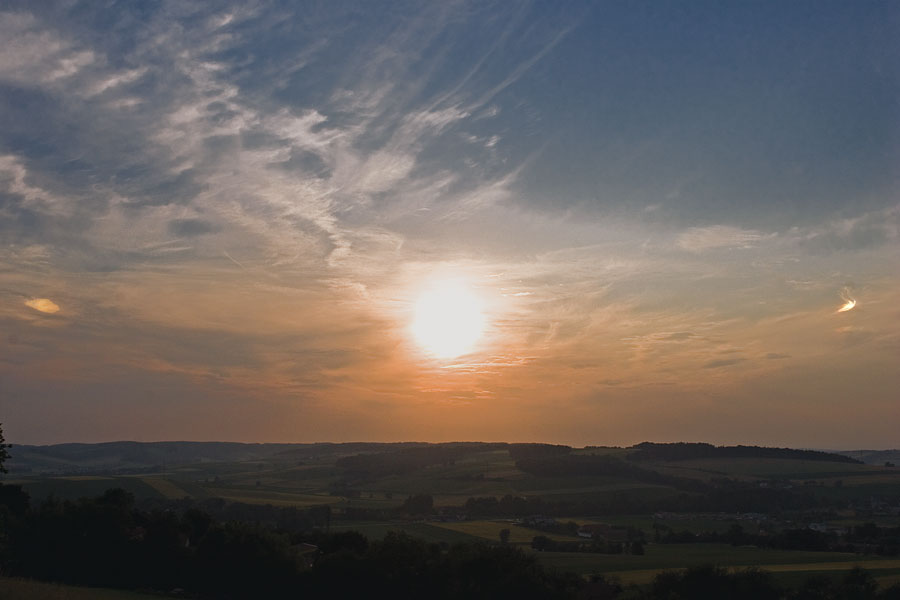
x: 219, y: 549
x: 508, y: 506
x: 698, y: 583
x: 868, y: 538
x: 4, y: 453
x: 591, y: 465
x: 687, y: 451
x: 737, y: 497
x: 597, y: 545
x: 368, y: 466
x: 108, y: 542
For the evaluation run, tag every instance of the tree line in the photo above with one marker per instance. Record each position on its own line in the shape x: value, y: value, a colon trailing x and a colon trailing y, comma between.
x: 693, y: 450
x: 108, y: 542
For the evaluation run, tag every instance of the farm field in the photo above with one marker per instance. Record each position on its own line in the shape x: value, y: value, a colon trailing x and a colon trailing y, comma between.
x: 68, y: 488
x: 880, y: 521
x: 490, y: 531
x: 165, y: 487
x: 273, y: 497
x: 786, y: 575
x: 309, y: 475
x: 660, y: 557
x: 888, y: 580
x: 305, y: 476
x: 694, y: 524
x: 595, y: 488
x: 430, y: 532
x: 24, y: 589
x: 775, y: 468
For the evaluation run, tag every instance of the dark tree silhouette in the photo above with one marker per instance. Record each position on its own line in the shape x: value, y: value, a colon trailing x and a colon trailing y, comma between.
x: 4, y: 455
x: 418, y: 504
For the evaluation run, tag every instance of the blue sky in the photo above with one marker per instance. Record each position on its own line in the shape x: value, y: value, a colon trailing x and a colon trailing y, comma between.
x: 232, y: 209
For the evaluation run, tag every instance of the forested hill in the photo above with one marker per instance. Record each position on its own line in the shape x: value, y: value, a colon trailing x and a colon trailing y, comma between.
x: 873, y: 457
x: 369, y: 457
x: 135, y: 456
x: 688, y: 451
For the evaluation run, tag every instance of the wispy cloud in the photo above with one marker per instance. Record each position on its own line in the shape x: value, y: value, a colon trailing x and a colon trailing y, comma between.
x: 44, y: 305
x: 33, y: 54
x: 699, y: 239
x: 723, y: 362
x: 259, y: 192
x: 868, y: 230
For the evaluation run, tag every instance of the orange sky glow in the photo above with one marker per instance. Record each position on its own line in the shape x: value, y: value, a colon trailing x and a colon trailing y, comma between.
x: 450, y: 221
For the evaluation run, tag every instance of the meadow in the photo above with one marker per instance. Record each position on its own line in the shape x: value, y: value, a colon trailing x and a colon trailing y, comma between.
x: 25, y: 589
x: 660, y: 557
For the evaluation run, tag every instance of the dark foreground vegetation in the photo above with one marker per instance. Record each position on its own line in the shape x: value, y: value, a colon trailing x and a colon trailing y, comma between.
x: 106, y: 542
x: 689, y: 451
x: 288, y: 553
x: 454, y: 520
x: 708, y: 582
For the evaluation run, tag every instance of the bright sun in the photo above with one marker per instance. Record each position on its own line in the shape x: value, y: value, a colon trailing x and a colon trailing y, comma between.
x: 448, y: 320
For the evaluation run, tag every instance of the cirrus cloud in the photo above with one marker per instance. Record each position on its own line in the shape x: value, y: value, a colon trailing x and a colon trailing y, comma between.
x: 698, y: 239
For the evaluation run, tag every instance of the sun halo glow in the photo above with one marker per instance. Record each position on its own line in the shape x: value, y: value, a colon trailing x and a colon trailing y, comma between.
x: 448, y: 320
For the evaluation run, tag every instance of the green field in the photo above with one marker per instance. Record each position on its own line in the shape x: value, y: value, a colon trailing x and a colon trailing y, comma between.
x: 885, y: 580
x: 312, y: 478
x: 659, y: 557
x: 309, y: 475
x: 880, y: 521
x: 791, y: 576
x: 490, y: 531
x: 24, y: 589
x: 778, y: 468
x: 166, y: 487
x: 68, y: 488
x: 275, y: 498
x: 694, y: 524
x: 430, y: 532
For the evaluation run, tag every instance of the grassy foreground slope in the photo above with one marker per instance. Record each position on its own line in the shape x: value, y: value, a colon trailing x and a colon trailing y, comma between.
x: 26, y: 589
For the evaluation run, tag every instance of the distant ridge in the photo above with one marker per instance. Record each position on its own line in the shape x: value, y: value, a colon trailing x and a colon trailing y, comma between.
x: 124, y: 456
x: 688, y: 451
x: 112, y: 457
x: 873, y: 457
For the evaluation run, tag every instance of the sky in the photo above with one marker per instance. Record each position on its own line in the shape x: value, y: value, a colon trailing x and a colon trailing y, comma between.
x: 218, y: 221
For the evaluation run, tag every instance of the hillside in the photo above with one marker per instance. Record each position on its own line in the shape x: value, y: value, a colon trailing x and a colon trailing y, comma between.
x: 480, y: 478
x: 873, y: 457
x: 691, y: 503
x: 125, y: 457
